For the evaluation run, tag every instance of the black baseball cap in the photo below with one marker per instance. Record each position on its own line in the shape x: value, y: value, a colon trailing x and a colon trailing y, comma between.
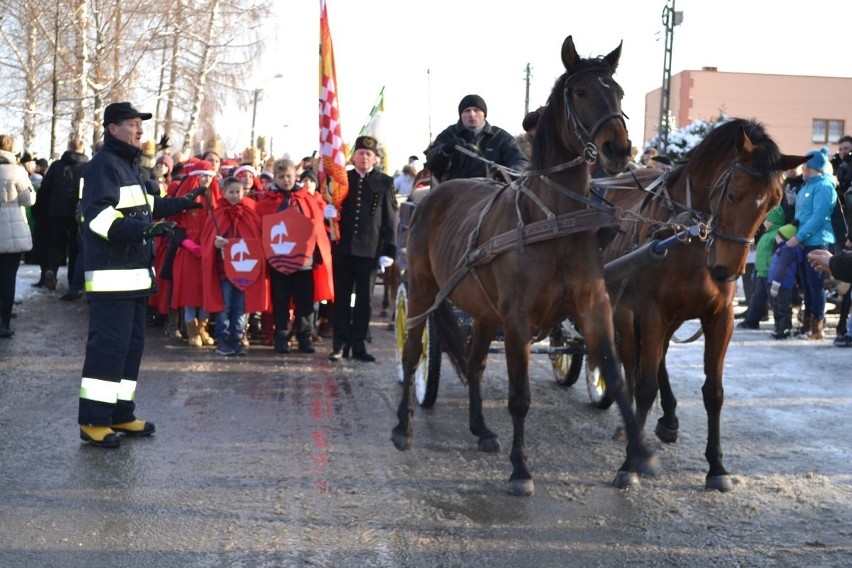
x: 116, y: 112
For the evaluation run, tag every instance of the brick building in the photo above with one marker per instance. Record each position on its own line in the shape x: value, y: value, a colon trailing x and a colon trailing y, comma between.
x: 799, y: 112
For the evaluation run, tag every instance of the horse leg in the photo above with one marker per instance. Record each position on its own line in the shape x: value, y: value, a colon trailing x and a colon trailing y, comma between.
x: 717, y: 336
x: 596, y: 326
x: 668, y: 423
x: 411, y: 353
x: 627, y: 344
x: 480, y: 341
x: 517, y: 364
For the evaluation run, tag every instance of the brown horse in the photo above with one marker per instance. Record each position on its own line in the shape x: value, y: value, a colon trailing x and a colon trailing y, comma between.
x: 726, y: 187
x: 465, y: 243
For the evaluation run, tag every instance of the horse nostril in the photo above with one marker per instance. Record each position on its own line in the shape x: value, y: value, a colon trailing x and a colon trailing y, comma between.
x: 721, y: 274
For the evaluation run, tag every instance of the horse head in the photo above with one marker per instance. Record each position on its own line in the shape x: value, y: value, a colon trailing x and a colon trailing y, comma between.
x: 740, y: 167
x: 588, y: 120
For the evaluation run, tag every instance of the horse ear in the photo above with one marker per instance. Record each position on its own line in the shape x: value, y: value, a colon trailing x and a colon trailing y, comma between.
x: 569, y: 54
x: 745, y: 144
x: 614, y: 56
x: 790, y: 162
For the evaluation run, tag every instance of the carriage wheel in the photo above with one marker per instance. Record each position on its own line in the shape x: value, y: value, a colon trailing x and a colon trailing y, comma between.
x: 426, y: 384
x: 427, y: 374
x: 566, y: 366
x: 400, y: 313
x: 597, y: 389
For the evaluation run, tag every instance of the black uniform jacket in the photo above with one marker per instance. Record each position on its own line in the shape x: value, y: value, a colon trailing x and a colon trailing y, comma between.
x: 368, y: 217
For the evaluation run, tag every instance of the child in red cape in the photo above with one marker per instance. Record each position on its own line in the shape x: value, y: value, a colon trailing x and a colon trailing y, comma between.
x: 312, y: 282
x: 233, y: 219
x: 186, y: 267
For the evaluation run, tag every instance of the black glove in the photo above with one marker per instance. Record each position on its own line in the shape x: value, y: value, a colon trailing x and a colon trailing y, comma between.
x: 159, y: 229
x: 449, y: 147
x: 163, y: 143
x: 193, y: 205
x: 191, y: 195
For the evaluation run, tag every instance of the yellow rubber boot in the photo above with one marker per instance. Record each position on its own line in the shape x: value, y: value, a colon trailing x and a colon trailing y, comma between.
x: 193, y: 337
x: 135, y: 428
x: 204, y: 334
x: 100, y: 436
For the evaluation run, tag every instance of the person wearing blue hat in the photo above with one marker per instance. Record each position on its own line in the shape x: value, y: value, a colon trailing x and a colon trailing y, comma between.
x: 814, y: 205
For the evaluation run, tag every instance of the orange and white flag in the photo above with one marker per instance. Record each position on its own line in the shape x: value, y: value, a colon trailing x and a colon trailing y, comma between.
x: 332, y: 163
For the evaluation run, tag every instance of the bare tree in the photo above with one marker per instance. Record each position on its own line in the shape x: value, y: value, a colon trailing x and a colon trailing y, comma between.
x: 64, y: 60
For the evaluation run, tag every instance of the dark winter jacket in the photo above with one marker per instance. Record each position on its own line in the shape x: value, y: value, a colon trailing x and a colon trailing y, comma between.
x: 368, y: 217
x: 117, y: 259
x: 493, y: 143
x: 841, y: 266
x: 61, y: 184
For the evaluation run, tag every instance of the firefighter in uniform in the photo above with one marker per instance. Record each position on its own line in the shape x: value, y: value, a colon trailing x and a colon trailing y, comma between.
x: 118, y: 251
x: 368, y: 218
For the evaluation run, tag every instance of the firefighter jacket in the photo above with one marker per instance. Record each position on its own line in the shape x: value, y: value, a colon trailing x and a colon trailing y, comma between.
x: 117, y: 209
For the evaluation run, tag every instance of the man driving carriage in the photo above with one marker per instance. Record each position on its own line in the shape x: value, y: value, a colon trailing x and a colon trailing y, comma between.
x: 477, y: 135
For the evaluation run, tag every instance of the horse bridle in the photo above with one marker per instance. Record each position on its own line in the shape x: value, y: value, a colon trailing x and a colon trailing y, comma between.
x: 590, y: 151
x: 721, y: 186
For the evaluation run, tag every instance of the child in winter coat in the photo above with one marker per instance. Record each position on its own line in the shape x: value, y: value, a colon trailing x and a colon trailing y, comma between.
x: 782, y: 275
x: 232, y: 289
x: 762, y: 259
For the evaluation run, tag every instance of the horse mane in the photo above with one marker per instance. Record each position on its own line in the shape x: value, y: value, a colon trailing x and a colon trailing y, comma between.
x: 549, y: 142
x: 725, y: 140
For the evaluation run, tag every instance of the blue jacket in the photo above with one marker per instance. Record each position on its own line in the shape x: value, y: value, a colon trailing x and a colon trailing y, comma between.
x: 814, y: 205
x: 785, y: 265
x: 117, y: 259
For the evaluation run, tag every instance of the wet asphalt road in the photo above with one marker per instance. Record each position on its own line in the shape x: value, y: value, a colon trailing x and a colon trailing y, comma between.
x: 272, y: 460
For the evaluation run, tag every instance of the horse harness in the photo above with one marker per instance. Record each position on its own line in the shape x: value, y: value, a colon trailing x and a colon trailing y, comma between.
x: 596, y: 215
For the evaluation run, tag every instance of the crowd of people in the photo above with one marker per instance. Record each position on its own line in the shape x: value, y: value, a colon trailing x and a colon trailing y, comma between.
x: 805, y: 241
x: 224, y: 252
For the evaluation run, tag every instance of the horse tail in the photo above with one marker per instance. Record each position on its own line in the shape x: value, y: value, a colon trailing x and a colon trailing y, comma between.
x: 450, y: 337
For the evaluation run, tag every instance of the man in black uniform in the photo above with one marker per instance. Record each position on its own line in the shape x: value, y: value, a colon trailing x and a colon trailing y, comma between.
x: 368, y: 218
x: 117, y: 232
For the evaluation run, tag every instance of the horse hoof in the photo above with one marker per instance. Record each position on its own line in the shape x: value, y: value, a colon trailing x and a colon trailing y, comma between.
x: 647, y: 466
x: 626, y: 479
x: 665, y: 434
x: 620, y: 434
x: 489, y: 445
x: 721, y: 483
x: 401, y: 441
x: 521, y: 487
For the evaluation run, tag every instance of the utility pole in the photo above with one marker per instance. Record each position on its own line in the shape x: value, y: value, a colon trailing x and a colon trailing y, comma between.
x: 670, y: 20
x: 528, y: 75
x: 254, y: 115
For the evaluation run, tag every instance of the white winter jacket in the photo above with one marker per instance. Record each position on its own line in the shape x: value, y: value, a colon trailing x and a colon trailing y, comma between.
x: 16, y: 192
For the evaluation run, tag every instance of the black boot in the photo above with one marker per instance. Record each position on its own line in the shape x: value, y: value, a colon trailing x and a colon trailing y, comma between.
x: 281, y: 341
x: 304, y: 331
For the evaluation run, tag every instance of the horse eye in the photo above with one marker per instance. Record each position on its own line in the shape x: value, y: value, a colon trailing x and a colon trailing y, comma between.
x: 580, y: 92
x: 730, y: 197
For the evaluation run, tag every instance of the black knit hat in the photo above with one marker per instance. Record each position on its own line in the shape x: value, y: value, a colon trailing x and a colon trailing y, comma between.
x: 473, y: 101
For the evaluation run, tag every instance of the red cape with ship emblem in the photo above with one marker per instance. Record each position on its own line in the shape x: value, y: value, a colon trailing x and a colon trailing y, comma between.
x: 234, y: 222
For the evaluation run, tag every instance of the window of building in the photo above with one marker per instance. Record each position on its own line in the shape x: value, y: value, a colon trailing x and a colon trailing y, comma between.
x: 826, y: 131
